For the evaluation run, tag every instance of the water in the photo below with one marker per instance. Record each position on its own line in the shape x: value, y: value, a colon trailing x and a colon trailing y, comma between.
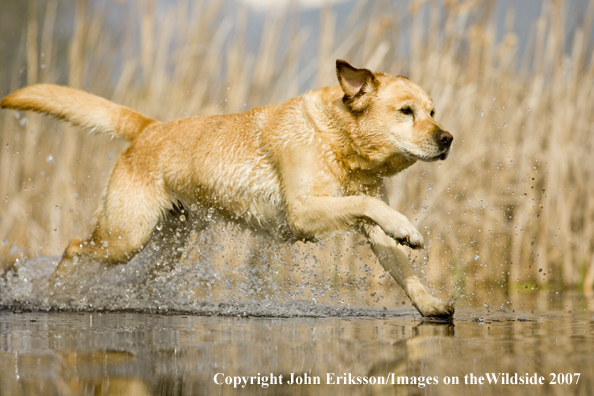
x: 222, y: 273
x: 149, y: 354
x: 152, y: 327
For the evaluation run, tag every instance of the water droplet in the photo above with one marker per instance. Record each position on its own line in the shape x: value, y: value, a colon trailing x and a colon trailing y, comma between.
x: 50, y: 159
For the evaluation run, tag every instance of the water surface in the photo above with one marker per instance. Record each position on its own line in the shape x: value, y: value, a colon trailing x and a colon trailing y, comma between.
x: 150, y: 354
x: 151, y: 328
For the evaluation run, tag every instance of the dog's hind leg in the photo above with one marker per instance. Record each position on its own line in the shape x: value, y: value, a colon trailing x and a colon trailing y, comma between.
x: 172, y: 239
x: 133, y: 204
x: 394, y: 258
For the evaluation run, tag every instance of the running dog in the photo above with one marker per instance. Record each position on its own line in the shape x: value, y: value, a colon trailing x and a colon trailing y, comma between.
x: 305, y: 169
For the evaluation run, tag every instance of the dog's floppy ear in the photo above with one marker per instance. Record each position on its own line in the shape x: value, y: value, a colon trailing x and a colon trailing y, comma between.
x: 357, y: 85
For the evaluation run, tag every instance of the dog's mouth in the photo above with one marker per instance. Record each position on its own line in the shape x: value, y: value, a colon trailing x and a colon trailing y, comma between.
x: 444, y: 155
x: 441, y: 156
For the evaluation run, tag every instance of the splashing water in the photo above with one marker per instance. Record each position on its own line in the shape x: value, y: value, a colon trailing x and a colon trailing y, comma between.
x: 231, y: 273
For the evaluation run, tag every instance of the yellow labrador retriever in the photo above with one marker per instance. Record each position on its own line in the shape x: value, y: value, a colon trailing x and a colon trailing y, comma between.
x: 304, y: 169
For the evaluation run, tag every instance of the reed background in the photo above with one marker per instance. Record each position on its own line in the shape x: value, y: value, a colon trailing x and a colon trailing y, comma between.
x: 510, y: 209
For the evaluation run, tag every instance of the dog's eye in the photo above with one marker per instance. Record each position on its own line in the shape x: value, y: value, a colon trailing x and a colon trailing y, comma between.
x: 432, y: 113
x: 406, y: 110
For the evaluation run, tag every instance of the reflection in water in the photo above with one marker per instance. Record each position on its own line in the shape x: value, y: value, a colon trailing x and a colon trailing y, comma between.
x: 144, y: 354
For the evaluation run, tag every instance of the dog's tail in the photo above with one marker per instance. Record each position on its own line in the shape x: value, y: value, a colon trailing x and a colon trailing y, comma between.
x: 80, y: 108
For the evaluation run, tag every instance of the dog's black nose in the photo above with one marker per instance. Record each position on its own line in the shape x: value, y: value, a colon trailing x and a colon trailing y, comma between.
x: 444, y: 139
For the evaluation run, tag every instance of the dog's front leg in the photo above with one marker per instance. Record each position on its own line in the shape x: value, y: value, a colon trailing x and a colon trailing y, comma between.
x: 319, y: 217
x: 394, y: 258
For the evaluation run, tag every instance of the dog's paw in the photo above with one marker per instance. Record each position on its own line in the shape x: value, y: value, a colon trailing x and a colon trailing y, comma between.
x: 425, y: 303
x: 405, y: 233
x: 435, y: 308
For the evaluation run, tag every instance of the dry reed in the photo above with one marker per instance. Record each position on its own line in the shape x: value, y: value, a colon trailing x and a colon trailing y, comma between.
x: 510, y: 208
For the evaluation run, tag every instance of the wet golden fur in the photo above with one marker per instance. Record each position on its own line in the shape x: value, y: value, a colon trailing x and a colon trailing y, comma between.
x: 304, y: 169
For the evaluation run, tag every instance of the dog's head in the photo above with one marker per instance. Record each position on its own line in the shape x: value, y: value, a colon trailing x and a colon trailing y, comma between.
x: 394, y: 117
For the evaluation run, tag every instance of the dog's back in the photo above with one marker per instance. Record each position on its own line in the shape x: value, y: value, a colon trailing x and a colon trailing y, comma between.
x: 220, y: 162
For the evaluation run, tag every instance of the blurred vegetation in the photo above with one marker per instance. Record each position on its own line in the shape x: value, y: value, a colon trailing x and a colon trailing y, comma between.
x: 511, y: 208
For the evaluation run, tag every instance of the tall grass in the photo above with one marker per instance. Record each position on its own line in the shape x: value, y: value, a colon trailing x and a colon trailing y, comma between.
x: 511, y: 208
